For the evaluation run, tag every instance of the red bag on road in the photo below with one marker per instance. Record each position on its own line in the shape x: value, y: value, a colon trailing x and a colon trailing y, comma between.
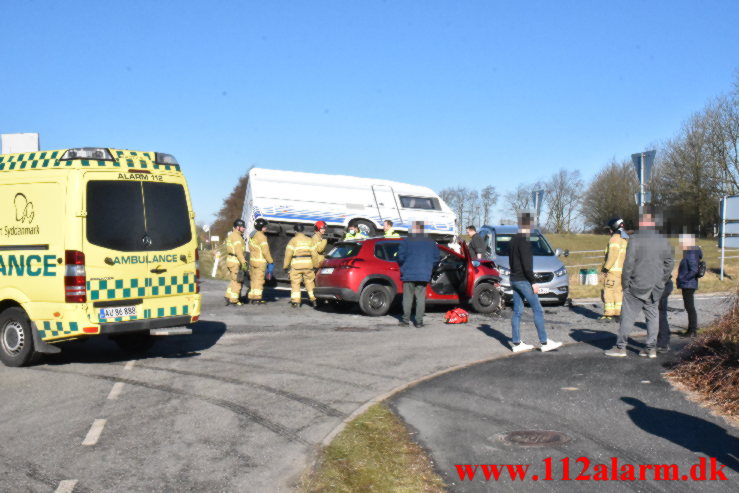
x: 456, y: 316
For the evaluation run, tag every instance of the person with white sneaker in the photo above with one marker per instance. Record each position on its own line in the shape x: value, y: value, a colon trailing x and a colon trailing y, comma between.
x: 523, y: 285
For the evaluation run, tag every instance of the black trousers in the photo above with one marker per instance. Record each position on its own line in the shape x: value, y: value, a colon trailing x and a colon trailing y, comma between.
x: 689, y: 302
x: 663, y: 337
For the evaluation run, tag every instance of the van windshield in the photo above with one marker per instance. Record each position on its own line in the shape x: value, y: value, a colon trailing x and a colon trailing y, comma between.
x: 539, y: 245
x: 131, y: 216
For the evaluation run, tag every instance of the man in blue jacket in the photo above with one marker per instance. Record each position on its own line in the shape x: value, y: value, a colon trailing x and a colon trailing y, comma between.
x: 417, y: 256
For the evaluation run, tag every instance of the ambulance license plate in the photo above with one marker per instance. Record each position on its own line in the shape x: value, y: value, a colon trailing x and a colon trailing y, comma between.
x: 327, y: 270
x: 118, y: 312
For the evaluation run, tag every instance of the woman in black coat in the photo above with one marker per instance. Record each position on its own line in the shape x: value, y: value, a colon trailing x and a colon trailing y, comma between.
x: 687, y: 279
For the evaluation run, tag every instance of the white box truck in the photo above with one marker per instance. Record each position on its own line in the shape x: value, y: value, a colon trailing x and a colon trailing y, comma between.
x: 286, y: 198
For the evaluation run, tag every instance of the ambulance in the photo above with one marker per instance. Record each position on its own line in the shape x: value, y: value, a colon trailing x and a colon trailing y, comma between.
x: 94, y: 242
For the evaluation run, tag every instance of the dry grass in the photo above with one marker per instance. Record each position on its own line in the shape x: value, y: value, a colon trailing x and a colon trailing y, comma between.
x: 206, y: 265
x: 584, y: 242
x: 373, y: 453
x: 710, y: 365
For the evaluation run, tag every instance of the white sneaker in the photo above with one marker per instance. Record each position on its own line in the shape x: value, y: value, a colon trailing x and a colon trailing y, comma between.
x: 550, y: 345
x: 522, y: 346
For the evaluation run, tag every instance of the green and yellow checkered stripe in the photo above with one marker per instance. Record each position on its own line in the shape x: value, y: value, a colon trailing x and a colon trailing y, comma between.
x: 56, y: 330
x: 116, y: 289
x: 51, y: 159
x: 51, y: 330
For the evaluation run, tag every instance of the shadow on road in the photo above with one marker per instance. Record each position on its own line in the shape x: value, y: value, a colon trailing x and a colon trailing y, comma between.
x: 600, y: 339
x: 101, y: 349
x: 584, y: 311
x: 694, y: 434
x: 495, y: 334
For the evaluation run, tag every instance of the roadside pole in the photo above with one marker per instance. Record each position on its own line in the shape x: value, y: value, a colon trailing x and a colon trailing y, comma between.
x: 723, y: 235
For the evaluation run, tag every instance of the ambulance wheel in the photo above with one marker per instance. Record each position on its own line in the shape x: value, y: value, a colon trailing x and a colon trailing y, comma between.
x: 375, y: 300
x: 486, y: 298
x: 136, y: 342
x: 365, y: 227
x: 16, y: 340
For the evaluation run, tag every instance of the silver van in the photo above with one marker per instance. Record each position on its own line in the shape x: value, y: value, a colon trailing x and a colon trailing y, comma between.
x: 549, y: 270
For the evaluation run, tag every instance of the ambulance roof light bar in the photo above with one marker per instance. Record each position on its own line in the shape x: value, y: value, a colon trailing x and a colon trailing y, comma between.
x: 98, y: 153
x: 162, y: 158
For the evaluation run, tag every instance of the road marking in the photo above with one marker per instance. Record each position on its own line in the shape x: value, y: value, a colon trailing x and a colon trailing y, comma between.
x: 95, y: 431
x: 66, y: 486
x: 129, y: 365
x: 115, y: 391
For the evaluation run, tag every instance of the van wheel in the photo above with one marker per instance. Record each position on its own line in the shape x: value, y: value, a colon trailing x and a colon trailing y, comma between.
x: 16, y: 340
x: 486, y: 298
x: 365, y: 227
x: 375, y: 300
x: 137, y: 342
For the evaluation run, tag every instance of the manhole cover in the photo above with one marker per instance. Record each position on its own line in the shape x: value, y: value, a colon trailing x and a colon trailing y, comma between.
x: 534, y: 438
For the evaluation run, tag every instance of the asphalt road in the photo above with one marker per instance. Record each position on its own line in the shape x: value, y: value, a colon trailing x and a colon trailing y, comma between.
x: 606, y: 408
x: 243, y: 404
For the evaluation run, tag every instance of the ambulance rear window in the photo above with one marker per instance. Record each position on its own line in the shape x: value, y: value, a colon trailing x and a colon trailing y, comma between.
x: 115, y: 215
x: 167, y: 215
x: 134, y: 216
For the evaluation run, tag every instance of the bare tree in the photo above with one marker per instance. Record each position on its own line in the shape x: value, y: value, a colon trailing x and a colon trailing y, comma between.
x: 563, y: 196
x: 231, y: 208
x: 488, y: 199
x: 611, y: 195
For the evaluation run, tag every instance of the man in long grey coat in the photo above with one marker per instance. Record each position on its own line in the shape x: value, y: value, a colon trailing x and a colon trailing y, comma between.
x: 647, y: 268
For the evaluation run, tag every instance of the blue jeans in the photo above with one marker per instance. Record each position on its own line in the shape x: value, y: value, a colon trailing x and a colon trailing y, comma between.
x: 521, y: 290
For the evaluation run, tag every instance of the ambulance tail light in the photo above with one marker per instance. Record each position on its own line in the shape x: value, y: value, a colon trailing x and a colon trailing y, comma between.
x: 75, y: 277
x: 97, y: 153
x: 197, y: 271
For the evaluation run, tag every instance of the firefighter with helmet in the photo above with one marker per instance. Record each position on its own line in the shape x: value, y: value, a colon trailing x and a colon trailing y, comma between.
x: 260, y: 261
x: 301, y: 258
x: 235, y: 262
x: 318, y: 240
x: 612, y: 267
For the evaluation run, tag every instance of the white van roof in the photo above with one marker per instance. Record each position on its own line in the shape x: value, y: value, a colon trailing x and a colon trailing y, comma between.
x: 300, y: 177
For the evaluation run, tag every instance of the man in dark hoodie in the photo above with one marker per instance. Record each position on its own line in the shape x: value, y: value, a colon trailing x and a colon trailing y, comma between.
x: 417, y: 256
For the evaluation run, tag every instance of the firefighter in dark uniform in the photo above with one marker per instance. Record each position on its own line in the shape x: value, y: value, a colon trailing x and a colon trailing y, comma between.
x: 260, y: 261
x: 301, y: 258
x: 235, y: 262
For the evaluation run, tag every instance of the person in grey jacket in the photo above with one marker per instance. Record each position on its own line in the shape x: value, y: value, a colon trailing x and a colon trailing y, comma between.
x: 647, y: 268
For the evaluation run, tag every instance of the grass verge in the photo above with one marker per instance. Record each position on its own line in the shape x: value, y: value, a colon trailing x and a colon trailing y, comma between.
x: 709, y: 367
x: 373, y: 453
x: 595, y: 246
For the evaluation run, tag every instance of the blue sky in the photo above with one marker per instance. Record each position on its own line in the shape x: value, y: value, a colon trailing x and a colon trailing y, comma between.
x: 436, y: 93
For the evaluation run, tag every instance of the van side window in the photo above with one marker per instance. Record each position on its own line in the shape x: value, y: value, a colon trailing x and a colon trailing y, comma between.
x: 426, y: 203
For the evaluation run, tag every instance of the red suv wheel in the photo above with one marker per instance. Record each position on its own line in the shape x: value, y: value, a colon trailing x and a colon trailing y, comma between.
x: 375, y: 300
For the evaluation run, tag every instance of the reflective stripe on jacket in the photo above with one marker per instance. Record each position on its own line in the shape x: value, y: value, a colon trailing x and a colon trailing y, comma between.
x: 300, y: 254
x: 259, y: 249
x: 235, y: 247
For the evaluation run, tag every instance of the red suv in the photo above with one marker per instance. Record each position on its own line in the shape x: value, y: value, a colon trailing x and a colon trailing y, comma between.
x: 367, y: 272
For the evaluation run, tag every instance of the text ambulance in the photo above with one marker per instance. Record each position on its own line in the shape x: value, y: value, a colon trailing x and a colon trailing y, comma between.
x: 93, y: 241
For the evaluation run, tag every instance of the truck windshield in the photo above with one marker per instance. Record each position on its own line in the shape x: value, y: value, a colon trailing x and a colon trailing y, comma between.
x: 135, y: 216
x: 539, y: 245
